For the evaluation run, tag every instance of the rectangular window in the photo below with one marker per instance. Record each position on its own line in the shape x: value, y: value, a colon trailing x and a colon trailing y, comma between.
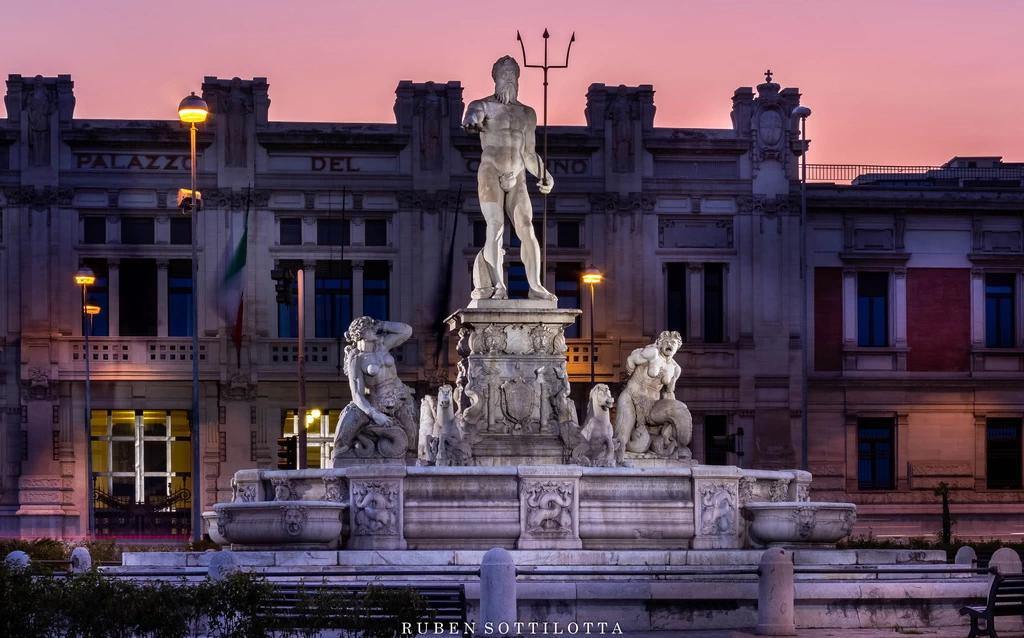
x: 675, y: 284
x: 999, y: 328
x: 376, y: 232
x: 179, y: 298
x: 1003, y: 454
x: 876, y: 454
x: 98, y: 295
x: 181, y: 231
x: 291, y: 231
x: 872, y: 309
x: 332, y: 232
x: 319, y: 437
x: 95, y: 230
x: 567, y: 289
x: 568, y: 234
x: 138, y: 315
x: 333, y: 298
x: 479, y: 234
x: 376, y: 293
x: 518, y: 288
x: 288, y: 314
x: 137, y: 230
x: 714, y: 303
x: 714, y: 425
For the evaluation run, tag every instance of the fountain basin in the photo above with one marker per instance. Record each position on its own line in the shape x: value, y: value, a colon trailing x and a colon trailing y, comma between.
x: 277, y: 524
x: 799, y: 524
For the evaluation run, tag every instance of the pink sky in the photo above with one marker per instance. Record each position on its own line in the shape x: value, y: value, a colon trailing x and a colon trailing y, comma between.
x: 889, y: 81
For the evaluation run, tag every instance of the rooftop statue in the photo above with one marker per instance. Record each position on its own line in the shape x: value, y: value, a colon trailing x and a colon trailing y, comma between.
x: 507, y: 135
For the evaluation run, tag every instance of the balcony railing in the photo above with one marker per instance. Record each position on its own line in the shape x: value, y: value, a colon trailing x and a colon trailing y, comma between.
x: 143, y: 356
x: 917, y: 176
x: 578, y: 358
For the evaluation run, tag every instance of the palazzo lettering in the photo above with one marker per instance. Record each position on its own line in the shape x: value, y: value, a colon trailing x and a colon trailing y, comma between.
x: 333, y: 164
x: 133, y: 162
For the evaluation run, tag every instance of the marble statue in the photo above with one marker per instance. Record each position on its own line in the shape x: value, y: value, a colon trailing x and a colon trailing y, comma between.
x: 381, y: 419
x: 452, y: 447
x: 649, y: 402
x: 595, y: 444
x: 507, y: 136
x: 40, y: 105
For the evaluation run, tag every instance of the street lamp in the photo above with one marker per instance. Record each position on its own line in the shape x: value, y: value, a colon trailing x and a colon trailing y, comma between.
x: 593, y: 277
x: 191, y: 110
x: 803, y: 113
x: 85, y: 277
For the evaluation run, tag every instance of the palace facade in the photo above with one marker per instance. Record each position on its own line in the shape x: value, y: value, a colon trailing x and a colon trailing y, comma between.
x: 914, y: 342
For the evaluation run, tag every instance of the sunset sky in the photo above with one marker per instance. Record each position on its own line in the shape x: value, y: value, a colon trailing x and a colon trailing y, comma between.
x: 889, y: 81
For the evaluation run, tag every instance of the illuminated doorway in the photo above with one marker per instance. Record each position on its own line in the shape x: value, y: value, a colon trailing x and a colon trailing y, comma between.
x: 142, y: 474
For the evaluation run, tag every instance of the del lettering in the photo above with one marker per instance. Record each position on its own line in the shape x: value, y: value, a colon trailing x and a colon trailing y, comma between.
x: 333, y: 164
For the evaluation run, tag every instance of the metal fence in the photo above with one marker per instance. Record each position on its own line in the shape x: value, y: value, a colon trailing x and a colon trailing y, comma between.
x: 916, y: 176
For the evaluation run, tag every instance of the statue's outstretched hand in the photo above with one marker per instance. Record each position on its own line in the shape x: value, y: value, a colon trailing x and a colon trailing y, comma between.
x: 546, y: 184
x: 474, y: 122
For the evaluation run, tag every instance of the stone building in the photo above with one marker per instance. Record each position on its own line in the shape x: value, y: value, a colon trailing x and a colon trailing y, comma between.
x: 696, y: 230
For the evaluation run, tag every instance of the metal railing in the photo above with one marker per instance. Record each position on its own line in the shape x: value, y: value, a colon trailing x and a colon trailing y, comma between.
x: 916, y: 176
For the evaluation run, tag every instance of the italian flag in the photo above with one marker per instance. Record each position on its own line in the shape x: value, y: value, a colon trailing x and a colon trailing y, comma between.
x: 232, y: 285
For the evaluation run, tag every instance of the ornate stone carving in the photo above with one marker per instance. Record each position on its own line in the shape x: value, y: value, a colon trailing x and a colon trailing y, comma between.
x: 293, y: 519
x: 517, y: 402
x: 39, y: 106
x: 38, y: 199
x: 381, y: 420
x: 113, y: 198
x: 224, y: 518
x: 375, y: 504
x: 542, y: 340
x: 549, y: 507
x: 247, y: 493
x: 284, y: 489
x: 805, y: 519
x: 769, y: 125
x: 648, y: 417
x: 494, y: 341
x: 803, y: 492
x: 849, y: 520
x: 238, y: 388
x: 778, y: 491
x: 452, y: 445
x: 236, y: 107
x: 718, y: 509
x: 334, y: 489
x: 432, y: 109
x: 38, y: 386
x: 594, y: 444
x: 260, y: 198
x: 747, y: 484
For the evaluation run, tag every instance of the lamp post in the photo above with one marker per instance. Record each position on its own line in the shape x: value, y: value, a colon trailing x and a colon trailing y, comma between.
x: 85, y: 277
x: 313, y: 416
x: 593, y: 277
x: 803, y: 113
x: 191, y: 110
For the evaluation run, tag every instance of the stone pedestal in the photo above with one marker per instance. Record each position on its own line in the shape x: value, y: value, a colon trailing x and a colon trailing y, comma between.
x: 376, y: 504
x: 513, y: 390
x: 549, y: 507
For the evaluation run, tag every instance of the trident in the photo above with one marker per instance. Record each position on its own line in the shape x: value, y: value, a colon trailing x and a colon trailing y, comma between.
x: 544, y: 170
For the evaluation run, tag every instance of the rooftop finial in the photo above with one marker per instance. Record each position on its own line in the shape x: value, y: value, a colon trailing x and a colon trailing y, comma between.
x: 768, y: 75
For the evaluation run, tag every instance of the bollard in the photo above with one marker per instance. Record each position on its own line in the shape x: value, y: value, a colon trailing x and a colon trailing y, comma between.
x: 222, y: 563
x: 966, y: 556
x: 1005, y: 561
x: 498, y: 589
x: 81, y: 560
x: 775, y: 594
x: 17, y: 560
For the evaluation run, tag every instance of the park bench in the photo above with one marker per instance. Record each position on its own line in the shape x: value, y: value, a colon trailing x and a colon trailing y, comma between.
x: 298, y: 605
x: 1005, y: 598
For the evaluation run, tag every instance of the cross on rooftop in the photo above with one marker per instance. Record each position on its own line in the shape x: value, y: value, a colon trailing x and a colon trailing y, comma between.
x: 768, y: 75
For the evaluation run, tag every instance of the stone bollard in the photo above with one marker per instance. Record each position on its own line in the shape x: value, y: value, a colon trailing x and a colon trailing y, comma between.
x: 498, y: 590
x: 17, y: 560
x: 81, y: 560
x: 775, y: 594
x: 222, y: 563
x: 966, y: 556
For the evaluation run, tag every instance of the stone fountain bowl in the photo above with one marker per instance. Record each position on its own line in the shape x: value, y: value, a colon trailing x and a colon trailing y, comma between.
x: 286, y: 525
x: 803, y: 524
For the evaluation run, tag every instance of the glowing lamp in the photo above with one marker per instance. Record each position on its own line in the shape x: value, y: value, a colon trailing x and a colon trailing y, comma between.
x: 592, y: 276
x: 193, y: 109
x: 85, y: 276
x: 90, y: 309
x: 315, y: 413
